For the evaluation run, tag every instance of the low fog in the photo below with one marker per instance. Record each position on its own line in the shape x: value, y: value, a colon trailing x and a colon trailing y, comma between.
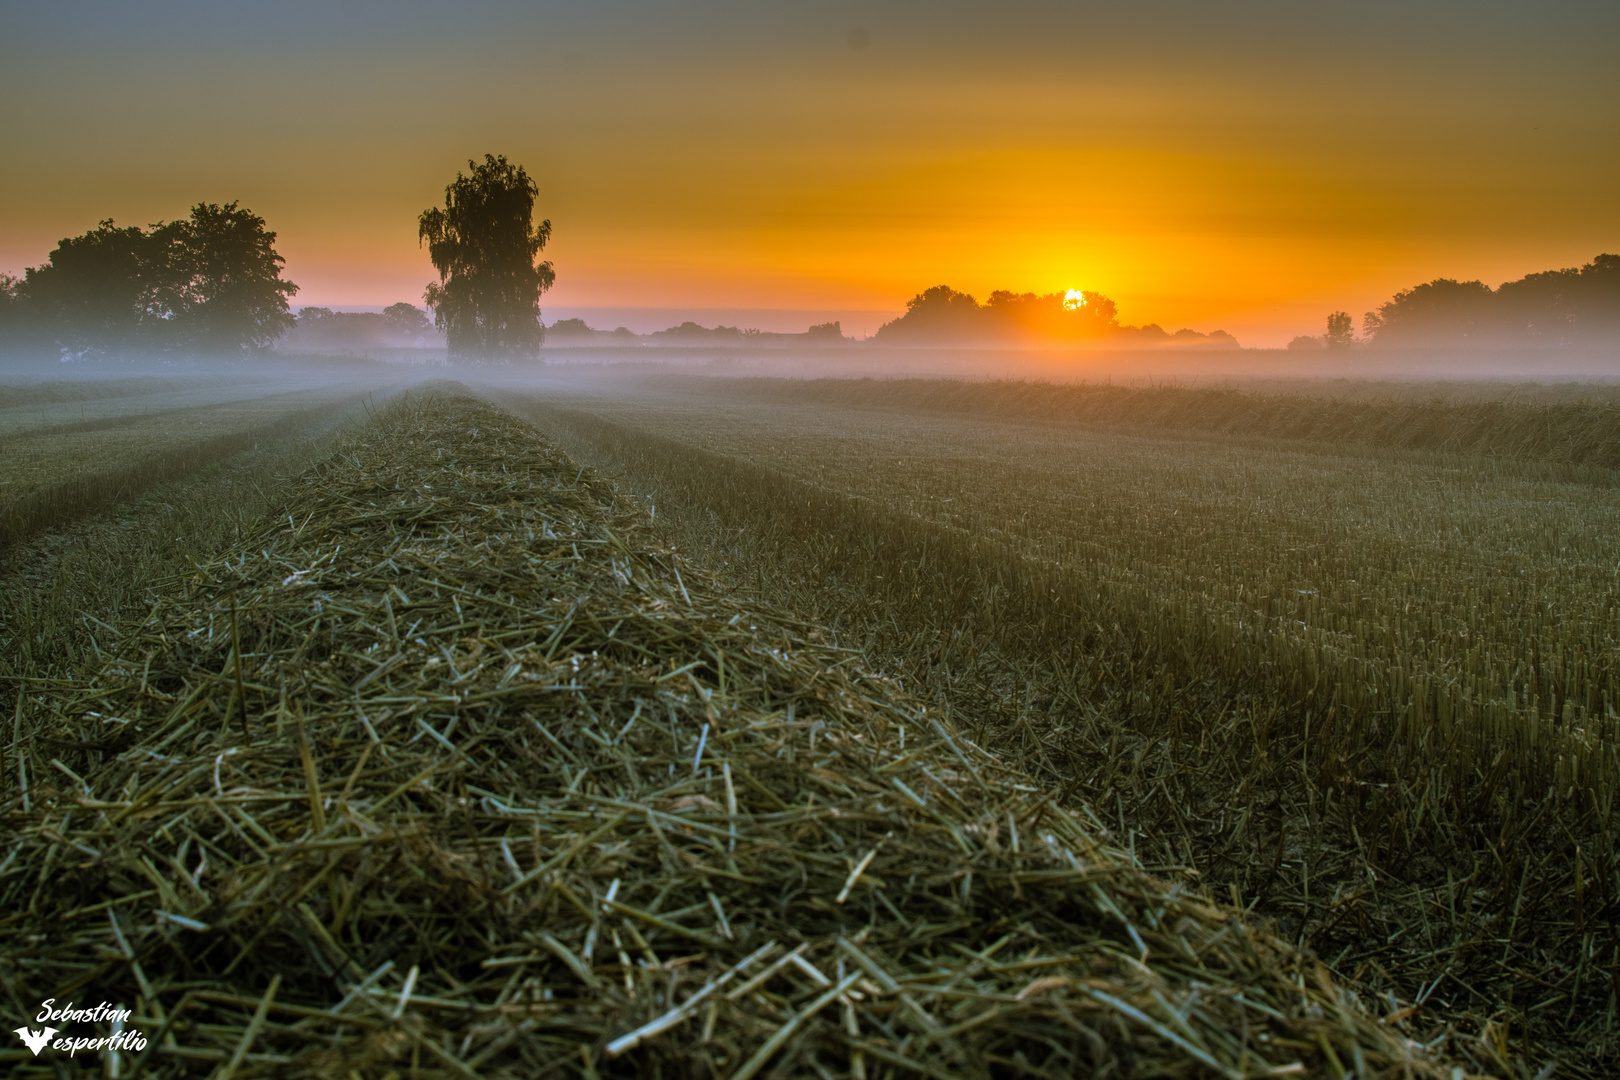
x: 1451, y: 370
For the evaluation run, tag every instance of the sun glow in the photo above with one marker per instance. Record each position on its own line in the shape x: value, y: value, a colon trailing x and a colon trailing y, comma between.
x: 1074, y: 300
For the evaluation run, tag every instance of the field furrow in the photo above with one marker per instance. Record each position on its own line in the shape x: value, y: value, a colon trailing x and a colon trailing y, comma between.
x: 1372, y: 694
x: 86, y: 405
x: 56, y: 476
x: 445, y: 767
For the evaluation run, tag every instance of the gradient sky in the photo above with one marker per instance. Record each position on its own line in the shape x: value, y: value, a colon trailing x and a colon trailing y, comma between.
x: 1248, y: 166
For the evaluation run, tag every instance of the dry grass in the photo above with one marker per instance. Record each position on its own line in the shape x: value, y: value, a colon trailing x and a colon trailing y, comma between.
x: 1371, y: 698
x: 445, y: 769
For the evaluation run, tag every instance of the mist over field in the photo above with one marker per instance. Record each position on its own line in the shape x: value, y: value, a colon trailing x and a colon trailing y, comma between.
x: 716, y: 542
x: 1284, y: 640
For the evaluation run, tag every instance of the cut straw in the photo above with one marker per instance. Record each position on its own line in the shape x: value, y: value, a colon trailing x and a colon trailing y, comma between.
x: 523, y: 823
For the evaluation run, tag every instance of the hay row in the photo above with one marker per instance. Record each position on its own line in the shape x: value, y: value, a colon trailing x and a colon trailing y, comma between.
x: 1276, y: 774
x: 447, y: 772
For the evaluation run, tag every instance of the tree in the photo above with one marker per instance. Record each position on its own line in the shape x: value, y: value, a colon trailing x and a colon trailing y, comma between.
x: 1339, y: 334
x: 1440, y: 312
x: 937, y: 314
x: 98, y: 293
x: 1553, y: 307
x: 1074, y: 314
x: 827, y: 333
x: 691, y: 333
x: 15, y: 320
x: 1560, y: 307
x: 571, y: 328
x: 212, y: 281
x: 1598, y: 310
x: 10, y: 299
x: 222, y: 286
x: 406, y: 319
x: 942, y: 314
x: 484, y: 244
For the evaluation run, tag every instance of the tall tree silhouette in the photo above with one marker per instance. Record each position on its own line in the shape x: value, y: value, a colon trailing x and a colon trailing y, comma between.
x: 484, y: 243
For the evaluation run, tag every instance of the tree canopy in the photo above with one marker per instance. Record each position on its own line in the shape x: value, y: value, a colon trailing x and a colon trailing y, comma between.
x: 943, y: 314
x: 827, y: 333
x: 397, y: 326
x: 223, y: 288
x: 1553, y: 307
x: 406, y: 319
x: 571, y: 328
x: 1339, y: 333
x: 484, y: 244
x: 100, y: 292
x: 211, y: 282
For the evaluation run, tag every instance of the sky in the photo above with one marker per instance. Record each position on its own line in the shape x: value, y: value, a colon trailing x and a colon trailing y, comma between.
x: 1242, y: 166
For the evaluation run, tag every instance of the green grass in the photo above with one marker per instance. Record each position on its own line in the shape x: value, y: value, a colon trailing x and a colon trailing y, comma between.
x: 55, y: 392
x: 56, y: 477
x: 106, y: 403
x: 1572, y: 426
x: 1372, y: 693
x: 61, y: 591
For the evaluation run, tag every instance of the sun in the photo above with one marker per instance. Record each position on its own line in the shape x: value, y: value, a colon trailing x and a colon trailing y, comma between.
x: 1074, y: 300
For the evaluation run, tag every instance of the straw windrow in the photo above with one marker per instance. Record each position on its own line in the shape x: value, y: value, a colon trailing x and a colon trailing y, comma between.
x: 515, y: 798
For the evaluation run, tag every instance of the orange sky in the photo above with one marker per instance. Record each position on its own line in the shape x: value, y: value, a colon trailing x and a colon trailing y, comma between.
x: 1250, y: 170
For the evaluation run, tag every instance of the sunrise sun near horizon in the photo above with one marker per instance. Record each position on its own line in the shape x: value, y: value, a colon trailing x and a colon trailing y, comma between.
x: 1237, y: 168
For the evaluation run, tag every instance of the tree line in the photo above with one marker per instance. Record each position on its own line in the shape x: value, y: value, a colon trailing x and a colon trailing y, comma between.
x: 942, y: 315
x: 1569, y: 307
x: 208, y: 283
x: 212, y: 283
x: 398, y: 326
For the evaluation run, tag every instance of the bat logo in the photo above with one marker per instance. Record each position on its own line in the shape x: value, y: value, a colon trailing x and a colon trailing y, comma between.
x: 36, y: 1040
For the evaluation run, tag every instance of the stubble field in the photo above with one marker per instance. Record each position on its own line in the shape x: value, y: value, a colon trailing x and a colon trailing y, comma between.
x: 489, y: 787
x: 93, y: 514
x: 1343, y: 666
x: 65, y: 468
x: 1366, y: 690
